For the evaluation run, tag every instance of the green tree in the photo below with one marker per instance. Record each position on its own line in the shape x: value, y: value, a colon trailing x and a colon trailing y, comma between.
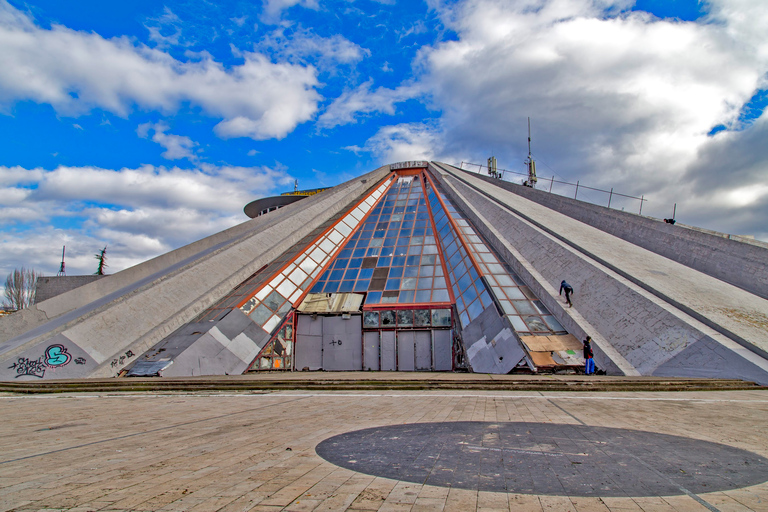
x: 20, y: 288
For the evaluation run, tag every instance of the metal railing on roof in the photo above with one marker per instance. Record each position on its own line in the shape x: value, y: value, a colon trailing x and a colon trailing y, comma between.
x: 552, y: 181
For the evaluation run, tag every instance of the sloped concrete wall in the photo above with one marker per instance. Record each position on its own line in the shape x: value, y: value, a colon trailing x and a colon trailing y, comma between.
x: 170, y: 291
x: 634, y: 330
x: 739, y: 261
x: 51, y: 286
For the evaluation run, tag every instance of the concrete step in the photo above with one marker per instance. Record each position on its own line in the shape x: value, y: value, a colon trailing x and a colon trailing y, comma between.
x: 365, y: 382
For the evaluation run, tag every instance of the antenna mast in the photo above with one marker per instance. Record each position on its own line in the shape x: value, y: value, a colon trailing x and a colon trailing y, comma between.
x: 62, y: 272
x: 529, y: 162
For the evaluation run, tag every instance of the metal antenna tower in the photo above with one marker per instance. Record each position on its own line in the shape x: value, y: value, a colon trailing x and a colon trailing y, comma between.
x: 62, y: 271
x: 529, y: 162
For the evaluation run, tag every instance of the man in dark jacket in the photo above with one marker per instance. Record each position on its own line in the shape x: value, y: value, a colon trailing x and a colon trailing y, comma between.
x: 589, y: 362
x: 568, y: 291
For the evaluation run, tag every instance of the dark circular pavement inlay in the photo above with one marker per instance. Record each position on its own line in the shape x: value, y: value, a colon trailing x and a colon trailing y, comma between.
x: 545, y: 458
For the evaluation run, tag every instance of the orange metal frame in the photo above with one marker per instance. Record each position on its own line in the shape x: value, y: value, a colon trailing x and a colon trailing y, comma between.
x: 456, y: 229
x: 321, y: 235
x: 437, y: 239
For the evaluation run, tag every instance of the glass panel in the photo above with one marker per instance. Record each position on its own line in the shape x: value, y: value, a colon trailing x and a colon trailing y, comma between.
x: 298, y: 276
x: 536, y: 324
x: 307, y: 265
x: 475, y: 309
x: 507, y: 307
x: 553, y: 323
x: 261, y: 314
x: 272, y: 323
x: 388, y: 318
x: 327, y: 246
x: 441, y: 317
x: 524, y: 307
x: 263, y: 293
x: 422, y: 296
x: 273, y: 301
x: 421, y: 317
x: 540, y: 307
x: 408, y: 283
x: 513, y: 292
x: 440, y: 296
x: 405, y: 318
x: 393, y: 284
x: 406, y: 297
x: 424, y: 283
x: 370, y: 319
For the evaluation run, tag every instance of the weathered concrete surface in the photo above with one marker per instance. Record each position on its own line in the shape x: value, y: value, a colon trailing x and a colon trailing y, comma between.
x: 257, y: 452
x: 619, y: 289
x: 51, y: 286
x: 127, y: 313
x: 738, y: 260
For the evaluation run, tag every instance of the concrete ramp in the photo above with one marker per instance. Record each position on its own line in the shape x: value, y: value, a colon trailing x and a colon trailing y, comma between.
x: 101, y: 328
x: 647, y: 313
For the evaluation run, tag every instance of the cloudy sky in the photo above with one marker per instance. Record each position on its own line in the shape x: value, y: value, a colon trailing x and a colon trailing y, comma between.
x: 143, y: 126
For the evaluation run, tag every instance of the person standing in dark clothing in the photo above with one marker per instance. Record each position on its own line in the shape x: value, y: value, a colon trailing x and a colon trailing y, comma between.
x: 568, y: 289
x: 589, y: 362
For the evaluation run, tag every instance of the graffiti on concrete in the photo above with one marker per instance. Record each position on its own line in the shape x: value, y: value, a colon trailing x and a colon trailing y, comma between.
x: 30, y: 367
x: 55, y: 356
x: 120, y: 361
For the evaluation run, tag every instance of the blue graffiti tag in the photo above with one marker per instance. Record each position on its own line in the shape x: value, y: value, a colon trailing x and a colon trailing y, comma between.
x: 57, y: 355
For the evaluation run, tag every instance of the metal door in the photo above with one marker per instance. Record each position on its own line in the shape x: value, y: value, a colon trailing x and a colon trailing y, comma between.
x: 423, y: 342
x: 309, y: 343
x: 388, y: 357
x: 371, y: 350
x: 442, y: 350
x: 405, y: 351
x: 342, y: 343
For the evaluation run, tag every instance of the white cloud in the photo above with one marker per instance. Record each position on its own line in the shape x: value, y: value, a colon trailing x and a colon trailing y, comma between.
x: 299, y: 46
x: 618, y: 99
x: 407, y: 141
x: 165, y: 30
x: 176, y: 146
x: 76, y: 72
x: 139, y: 213
x: 273, y: 9
x: 362, y: 100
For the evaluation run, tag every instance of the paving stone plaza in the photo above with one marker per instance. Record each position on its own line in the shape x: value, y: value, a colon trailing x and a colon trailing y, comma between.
x: 385, y: 450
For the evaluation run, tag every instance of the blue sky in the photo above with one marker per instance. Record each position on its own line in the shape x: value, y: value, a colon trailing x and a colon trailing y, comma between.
x: 143, y: 126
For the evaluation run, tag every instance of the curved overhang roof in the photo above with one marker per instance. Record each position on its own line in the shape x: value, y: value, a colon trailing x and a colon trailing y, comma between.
x: 253, y: 208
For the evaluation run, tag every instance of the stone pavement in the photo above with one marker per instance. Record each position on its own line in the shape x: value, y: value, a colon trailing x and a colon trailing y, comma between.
x: 238, y: 452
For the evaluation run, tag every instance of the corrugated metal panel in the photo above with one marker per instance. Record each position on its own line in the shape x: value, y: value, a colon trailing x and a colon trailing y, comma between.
x: 331, y: 303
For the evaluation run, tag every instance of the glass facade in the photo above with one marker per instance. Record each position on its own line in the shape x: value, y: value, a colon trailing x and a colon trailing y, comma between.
x: 393, y: 256
x: 459, y: 240
x: 268, y: 303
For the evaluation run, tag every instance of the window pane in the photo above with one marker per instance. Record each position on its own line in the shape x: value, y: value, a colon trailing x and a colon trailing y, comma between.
x: 405, y: 318
x: 261, y: 314
x: 371, y: 319
x: 388, y: 318
x: 421, y: 317
x: 440, y: 296
x: 406, y: 297
x: 441, y: 317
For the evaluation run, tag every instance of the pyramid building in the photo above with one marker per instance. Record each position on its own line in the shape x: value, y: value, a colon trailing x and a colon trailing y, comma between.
x: 415, y: 266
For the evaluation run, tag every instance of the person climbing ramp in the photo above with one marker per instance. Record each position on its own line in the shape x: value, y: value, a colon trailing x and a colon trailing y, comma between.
x: 568, y: 291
